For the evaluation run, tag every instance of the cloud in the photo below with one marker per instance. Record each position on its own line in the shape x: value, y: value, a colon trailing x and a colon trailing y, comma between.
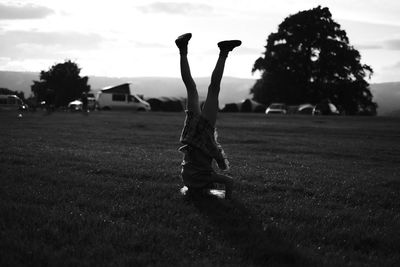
x: 177, y: 8
x: 240, y: 51
x: 250, y: 51
x: 396, y: 66
x: 28, y: 11
x: 393, y: 44
x: 392, y: 66
x: 34, y: 44
x: 149, y: 45
x: 369, y: 46
x: 65, y: 39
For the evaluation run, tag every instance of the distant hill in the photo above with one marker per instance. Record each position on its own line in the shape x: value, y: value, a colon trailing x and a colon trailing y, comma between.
x: 387, y: 95
x: 233, y: 89
x: 18, y: 81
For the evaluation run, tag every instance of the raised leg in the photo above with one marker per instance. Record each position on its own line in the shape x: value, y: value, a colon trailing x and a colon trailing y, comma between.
x: 192, y: 103
x: 211, y: 106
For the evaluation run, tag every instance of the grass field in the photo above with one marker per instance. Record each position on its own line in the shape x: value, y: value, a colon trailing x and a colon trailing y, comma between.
x: 102, y: 190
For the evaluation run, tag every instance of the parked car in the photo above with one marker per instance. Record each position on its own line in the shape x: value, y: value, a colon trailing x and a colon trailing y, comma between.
x: 276, y: 108
x: 325, y: 108
x: 305, y: 109
x: 12, y: 102
x: 75, y: 105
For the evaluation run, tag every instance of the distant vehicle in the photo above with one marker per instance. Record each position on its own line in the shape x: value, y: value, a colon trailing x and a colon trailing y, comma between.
x: 75, y: 105
x: 91, y: 101
x: 276, y: 108
x: 325, y: 108
x: 107, y: 101
x: 12, y: 102
x: 305, y: 109
x: 120, y: 97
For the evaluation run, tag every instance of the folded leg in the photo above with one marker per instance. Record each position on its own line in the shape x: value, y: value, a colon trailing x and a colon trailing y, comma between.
x: 196, y: 183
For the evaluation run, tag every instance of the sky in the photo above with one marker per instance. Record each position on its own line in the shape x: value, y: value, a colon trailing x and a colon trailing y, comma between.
x: 135, y: 38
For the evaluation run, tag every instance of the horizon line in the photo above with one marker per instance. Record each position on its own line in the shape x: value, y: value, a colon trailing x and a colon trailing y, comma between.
x: 167, y: 77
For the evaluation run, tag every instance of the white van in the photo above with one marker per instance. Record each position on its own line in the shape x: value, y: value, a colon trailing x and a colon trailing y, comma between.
x: 119, y: 97
x: 12, y: 102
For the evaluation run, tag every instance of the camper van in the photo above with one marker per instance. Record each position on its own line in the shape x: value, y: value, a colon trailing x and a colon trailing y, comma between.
x: 120, y: 97
x: 12, y: 102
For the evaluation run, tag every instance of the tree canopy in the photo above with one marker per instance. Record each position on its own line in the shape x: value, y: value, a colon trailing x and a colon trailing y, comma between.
x: 61, y: 84
x: 309, y: 59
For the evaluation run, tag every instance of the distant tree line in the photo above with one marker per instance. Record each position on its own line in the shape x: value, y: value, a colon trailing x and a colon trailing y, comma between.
x: 309, y: 60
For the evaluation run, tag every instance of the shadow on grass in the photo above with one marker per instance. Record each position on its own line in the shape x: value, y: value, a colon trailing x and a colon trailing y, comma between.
x: 255, y: 243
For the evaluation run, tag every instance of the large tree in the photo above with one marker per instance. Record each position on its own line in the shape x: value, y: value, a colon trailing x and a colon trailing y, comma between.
x: 309, y: 59
x: 61, y: 84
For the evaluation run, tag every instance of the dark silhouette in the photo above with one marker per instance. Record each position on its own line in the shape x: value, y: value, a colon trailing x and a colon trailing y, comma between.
x: 60, y: 85
x: 246, y: 106
x: 231, y: 107
x: 49, y: 100
x: 199, y: 138
x: 310, y: 59
x: 249, y: 105
x: 84, y: 99
x: 5, y: 91
x: 172, y: 104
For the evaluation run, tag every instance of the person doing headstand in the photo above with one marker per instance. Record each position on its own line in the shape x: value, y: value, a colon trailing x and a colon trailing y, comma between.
x: 199, y: 135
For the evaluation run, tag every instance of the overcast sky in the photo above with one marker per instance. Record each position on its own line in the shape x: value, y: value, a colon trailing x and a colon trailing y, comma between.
x: 130, y: 38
